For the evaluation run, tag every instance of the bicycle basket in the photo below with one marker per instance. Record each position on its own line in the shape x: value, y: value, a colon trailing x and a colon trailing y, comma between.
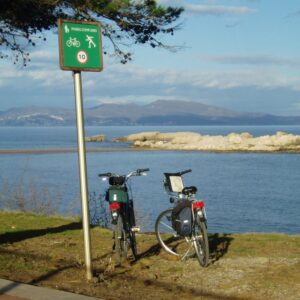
x: 116, y: 180
x: 182, y: 218
x: 173, y: 183
x: 117, y: 194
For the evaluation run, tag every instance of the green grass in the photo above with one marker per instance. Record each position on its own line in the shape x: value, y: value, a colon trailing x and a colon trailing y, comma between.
x: 265, y: 244
x: 50, y: 251
x: 18, y: 221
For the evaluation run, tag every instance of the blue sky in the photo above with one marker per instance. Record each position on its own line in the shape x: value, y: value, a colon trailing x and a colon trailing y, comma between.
x: 242, y: 55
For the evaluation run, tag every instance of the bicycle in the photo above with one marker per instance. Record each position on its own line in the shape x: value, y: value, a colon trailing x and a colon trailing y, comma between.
x: 119, y: 196
x: 73, y: 42
x: 182, y: 229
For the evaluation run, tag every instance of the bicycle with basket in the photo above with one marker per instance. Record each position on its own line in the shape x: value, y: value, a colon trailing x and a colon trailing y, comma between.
x: 182, y: 229
x: 119, y: 196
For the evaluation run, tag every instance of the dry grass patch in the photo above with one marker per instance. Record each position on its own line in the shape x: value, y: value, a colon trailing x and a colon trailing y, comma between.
x: 49, y: 252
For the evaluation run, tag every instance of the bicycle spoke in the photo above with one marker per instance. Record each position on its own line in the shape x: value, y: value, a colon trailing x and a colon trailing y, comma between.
x: 167, y: 226
x: 187, y: 252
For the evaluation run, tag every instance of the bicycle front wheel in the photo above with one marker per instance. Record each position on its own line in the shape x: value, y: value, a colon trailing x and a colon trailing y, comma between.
x: 133, y: 244
x: 121, y: 242
x: 200, y: 241
x: 168, y: 238
x: 131, y: 234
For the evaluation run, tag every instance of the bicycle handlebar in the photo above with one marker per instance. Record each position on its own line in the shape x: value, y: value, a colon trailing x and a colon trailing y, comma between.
x: 184, y: 172
x: 105, y: 175
x: 142, y: 170
x: 138, y: 172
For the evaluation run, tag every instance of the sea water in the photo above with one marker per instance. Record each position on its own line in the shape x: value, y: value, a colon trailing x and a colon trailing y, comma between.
x: 243, y: 192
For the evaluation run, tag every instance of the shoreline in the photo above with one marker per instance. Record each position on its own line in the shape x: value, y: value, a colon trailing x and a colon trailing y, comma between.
x: 133, y: 149
x: 65, y: 150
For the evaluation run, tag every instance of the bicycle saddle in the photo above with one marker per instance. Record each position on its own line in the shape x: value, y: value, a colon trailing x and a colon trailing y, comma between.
x: 189, y: 190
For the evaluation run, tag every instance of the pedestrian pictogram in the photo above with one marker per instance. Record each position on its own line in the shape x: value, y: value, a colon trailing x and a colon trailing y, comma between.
x: 67, y: 30
x: 89, y: 39
x: 80, y: 45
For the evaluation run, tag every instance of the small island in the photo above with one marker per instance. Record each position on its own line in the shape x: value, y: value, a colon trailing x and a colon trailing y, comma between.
x: 243, y: 142
x: 95, y: 138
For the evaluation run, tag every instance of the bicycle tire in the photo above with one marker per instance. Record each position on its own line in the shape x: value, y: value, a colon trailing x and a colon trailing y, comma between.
x: 133, y: 245
x: 129, y: 213
x: 200, y: 241
x: 168, y: 238
x: 121, y: 243
x: 69, y: 43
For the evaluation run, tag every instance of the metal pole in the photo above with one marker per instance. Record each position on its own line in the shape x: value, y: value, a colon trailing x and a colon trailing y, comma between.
x: 83, y: 173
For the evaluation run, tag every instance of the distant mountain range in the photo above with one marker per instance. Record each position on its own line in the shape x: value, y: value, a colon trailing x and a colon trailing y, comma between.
x: 160, y: 112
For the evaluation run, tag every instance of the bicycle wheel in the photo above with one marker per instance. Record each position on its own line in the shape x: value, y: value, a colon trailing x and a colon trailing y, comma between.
x: 69, y: 43
x: 200, y: 241
x: 121, y: 243
x: 133, y: 244
x: 168, y: 238
x: 129, y: 211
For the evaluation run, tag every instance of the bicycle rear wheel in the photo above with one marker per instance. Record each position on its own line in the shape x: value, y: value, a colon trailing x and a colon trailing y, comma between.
x: 200, y: 241
x: 168, y: 238
x: 121, y: 242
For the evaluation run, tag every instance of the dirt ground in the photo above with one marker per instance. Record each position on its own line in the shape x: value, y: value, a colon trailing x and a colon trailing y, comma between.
x: 242, y: 266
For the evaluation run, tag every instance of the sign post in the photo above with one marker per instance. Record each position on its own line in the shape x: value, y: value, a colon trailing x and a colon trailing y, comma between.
x: 80, y: 48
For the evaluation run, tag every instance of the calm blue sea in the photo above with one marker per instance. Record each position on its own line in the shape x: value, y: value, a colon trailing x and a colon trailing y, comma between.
x: 243, y: 192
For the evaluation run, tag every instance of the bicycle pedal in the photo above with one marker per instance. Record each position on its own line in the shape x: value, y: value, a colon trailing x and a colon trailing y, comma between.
x: 135, y: 229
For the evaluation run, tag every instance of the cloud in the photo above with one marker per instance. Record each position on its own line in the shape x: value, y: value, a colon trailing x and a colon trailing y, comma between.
x: 118, y: 78
x: 209, y: 9
x: 43, y: 83
x: 243, y: 78
x: 170, y: 2
x: 44, y: 55
x: 130, y: 99
x: 293, y: 14
x: 256, y: 60
x: 135, y: 76
x: 217, y: 10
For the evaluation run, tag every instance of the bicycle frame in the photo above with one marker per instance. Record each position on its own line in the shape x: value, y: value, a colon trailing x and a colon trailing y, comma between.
x: 198, y: 206
x: 171, y: 224
x: 122, y: 210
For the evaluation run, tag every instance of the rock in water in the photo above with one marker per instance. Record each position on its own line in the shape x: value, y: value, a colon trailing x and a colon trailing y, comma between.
x: 95, y: 138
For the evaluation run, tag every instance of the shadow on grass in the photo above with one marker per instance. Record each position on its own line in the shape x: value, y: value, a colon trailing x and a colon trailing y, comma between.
x: 13, y: 237
x: 154, y: 250
x: 219, y: 245
x: 180, y: 291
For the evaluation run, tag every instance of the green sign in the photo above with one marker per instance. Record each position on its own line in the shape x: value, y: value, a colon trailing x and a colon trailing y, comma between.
x: 80, y: 46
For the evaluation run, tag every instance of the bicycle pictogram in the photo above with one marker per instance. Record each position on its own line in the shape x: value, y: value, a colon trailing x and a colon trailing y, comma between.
x: 73, y: 42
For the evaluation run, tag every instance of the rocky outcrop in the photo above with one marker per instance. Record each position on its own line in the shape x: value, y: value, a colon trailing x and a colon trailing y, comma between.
x: 281, y: 141
x: 95, y: 138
